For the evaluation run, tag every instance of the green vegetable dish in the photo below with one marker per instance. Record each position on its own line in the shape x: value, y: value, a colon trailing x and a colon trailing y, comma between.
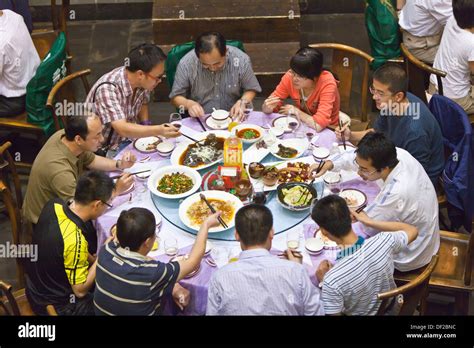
x: 297, y: 196
x: 175, y: 183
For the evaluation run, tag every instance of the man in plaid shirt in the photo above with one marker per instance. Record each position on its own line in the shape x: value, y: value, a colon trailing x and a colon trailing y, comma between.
x: 120, y: 98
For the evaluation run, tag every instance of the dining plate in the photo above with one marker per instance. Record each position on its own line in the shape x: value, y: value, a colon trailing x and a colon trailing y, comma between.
x: 282, y: 122
x: 185, y: 257
x: 354, y: 198
x: 181, y: 148
x: 220, y: 195
x: 158, y: 174
x: 328, y: 244
x: 300, y: 145
x: 146, y: 145
x: 211, y: 123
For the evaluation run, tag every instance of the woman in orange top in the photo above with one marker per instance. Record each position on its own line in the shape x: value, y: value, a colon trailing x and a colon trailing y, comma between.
x: 312, y: 89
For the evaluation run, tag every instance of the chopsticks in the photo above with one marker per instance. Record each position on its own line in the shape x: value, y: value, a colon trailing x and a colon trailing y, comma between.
x: 362, y: 207
x: 222, y: 222
x: 342, y: 135
x: 118, y: 176
x: 200, y: 123
x: 306, y: 192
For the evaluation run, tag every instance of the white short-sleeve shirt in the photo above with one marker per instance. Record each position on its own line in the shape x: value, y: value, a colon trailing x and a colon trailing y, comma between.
x: 407, y: 195
x: 18, y: 56
x: 455, y: 52
x: 425, y: 17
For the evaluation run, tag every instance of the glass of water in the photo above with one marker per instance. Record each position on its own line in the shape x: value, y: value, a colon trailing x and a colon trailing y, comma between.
x: 293, y: 239
x: 171, y: 246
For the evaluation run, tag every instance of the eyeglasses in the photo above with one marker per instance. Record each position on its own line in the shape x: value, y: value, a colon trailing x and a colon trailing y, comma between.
x: 373, y: 91
x: 107, y: 204
x: 156, y: 78
x: 365, y: 171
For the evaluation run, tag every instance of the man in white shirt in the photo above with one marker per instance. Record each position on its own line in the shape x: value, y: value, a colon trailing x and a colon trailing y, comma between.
x: 364, y: 268
x: 407, y: 194
x: 18, y: 63
x: 422, y: 23
x: 456, y: 57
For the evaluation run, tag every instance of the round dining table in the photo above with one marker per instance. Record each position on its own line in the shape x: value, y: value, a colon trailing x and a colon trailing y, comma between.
x: 140, y: 196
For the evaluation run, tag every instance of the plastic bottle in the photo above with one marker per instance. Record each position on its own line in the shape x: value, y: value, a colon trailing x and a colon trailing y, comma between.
x: 233, y: 152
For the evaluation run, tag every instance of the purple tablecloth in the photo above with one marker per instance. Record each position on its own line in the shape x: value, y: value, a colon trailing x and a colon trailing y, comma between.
x: 198, y: 284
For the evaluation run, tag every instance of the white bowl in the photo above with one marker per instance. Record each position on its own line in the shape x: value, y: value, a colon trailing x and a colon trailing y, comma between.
x: 314, y: 245
x: 320, y: 153
x: 143, y: 176
x: 220, y: 116
x: 165, y: 148
x: 156, y: 176
x: 213, y: 194
x: 238, y: 128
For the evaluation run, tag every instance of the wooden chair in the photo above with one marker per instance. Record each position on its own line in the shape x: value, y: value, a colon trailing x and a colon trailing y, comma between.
x: 8, y: 172
x: 419, y: 74
x: 63, y: 91
x: 14, y: 216
x: 414, y: 292
x: 343, y: 65
x: 13, y: 303
x: 453, y: 274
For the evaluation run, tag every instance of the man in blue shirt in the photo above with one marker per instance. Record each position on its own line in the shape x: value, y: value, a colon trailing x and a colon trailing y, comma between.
x: 260, y: 283
x: 405, y: 120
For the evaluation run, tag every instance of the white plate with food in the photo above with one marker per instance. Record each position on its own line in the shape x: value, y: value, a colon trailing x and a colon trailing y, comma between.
x: 287, y: 171
x: 174, y: 182
x: 193, y: 211
x: 203, y: 155
x: 328, y: 244
x: 147, y: 145
x: 354, y: 198
x: 283, y: 122
x: 248, y: 133
x: 289, y: 148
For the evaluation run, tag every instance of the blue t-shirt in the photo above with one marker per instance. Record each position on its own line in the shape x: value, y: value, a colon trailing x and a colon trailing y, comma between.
x: 418, y: 132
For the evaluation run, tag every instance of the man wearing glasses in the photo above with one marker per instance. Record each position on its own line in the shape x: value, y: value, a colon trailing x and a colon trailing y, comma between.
x: 121, y: 97
x: 64, y: 273
x: 405, y: 120
x: 406, y: 194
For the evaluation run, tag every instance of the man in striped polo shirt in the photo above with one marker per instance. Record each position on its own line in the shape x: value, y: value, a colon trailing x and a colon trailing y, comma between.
x: 130, y: 283
x: 214, y: 75
x: 364, y: 268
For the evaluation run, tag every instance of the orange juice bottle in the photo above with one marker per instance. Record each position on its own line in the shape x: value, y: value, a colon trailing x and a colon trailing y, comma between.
x: 233, y: 152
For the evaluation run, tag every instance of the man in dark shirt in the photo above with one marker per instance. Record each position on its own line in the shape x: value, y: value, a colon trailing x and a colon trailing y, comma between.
x: 405, y: 120
x: 64, y: 273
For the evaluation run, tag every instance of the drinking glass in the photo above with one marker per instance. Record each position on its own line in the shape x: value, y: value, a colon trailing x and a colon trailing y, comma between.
x: 293, y: 239
x: 171, y: 246
x: 176, y: 119
x: 333, y: 181
x: 247, y: 108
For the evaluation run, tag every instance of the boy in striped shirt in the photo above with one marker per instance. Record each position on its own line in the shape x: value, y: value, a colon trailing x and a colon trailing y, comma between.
x: 363, y: 268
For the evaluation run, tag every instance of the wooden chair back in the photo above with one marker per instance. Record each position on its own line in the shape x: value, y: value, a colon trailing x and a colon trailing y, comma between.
x: 413, y: 292
x: 64, y: 92
x: 343, y: 64
x: 8, y: 302
x: 8, y: 172
x: 419, y: 74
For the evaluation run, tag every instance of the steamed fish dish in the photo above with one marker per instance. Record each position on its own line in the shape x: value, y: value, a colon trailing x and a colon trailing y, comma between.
x: 199, y: 154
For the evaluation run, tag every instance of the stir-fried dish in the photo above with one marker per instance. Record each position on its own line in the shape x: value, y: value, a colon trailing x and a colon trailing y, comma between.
x: 175, y: 183
x: 202, y: 153
x: 199, y: 211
